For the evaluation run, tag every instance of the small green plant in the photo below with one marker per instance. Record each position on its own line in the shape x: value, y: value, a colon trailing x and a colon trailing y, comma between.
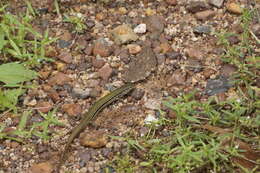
x: 39, y: 129
x: 241, y: 55
x: 188, y: 146
x: 15, y: 42
x: 77, y: 21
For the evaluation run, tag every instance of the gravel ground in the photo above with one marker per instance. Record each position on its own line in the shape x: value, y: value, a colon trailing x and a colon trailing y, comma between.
x: 168, y: 47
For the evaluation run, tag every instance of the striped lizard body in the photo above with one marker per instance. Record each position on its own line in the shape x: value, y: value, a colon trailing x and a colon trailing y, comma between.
x: 92, y: 113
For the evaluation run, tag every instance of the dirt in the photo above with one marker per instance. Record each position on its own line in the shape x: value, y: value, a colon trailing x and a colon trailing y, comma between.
x: 171, y: 59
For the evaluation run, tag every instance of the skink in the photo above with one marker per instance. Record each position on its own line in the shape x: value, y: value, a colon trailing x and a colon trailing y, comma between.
x: 92, y: 113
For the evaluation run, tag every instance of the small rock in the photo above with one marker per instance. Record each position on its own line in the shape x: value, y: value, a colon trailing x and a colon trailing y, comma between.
x: 144, y: 131
x: 216, y: 3
x: 150, y: 119
x: 95, y: 139
x: 215, y: 86
x: 29, y: 101
x: 85, y: 156
x: 60, y: 66
x: 165, y: 47
x: 134, y: 48
x: 88, y: 50
x: 171, y: 2
x: 63, y: 43
x: 194, y: 65
x: 150, y: 12
x: 256, y: 30
x: 140, y: 29
x: 196, y: 6
x: 155, y: 24
x: 137, y: 94
x: 59, y: 79
x: 80, y: 93
x: 173, y: 55
x: 44, y: 74
x: 72, y: 109
x: 90, y: 23
x: 153, y: 104
x: 142, y: 66
x: 100, y: 16
x: 160, y: 58
x: 122, y: 10
x: 208, y: 72
x: 45, y: 167
x: 92, y: 83
x: 178, y: 78
x: 124, y: 56
x: 234, y: 8
x: 205, y: 15
x: 123, y: 34
x: 105, y: 72
x: 233, y: 40
x: 65, y: 57
x: 98, y: 62
x: 102, y: 48
x: 44, y: 106
x: 194, y: 53
x: 228, y: 70
x: 204, y: 29
x: 94, y: 93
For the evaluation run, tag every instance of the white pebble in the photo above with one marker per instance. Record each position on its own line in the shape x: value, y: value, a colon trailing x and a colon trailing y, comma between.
x: 150, y: 119
x: 140, y: 29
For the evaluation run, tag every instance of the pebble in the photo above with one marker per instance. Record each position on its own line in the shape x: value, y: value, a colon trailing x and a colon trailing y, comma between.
x: 150, y: 119
x: 205, y: 15
x: 173, y: 55
x: 63, y: 43
x: 122, y: 10
x: 228, y: 70
x: 95, y: 139
x: 165, y: 47
x: 153, y: 104
x: 234, y: 8
x: 44, y: 106
x: 72, y: 109
x: 150, y: 12
x: 216, y: 86
x: 59, y: 79
x: 123, y: 34
x: 216, y: 3
x: 90, y: 23
x: 140, y: 29
x: 137, y: 94
x: 102, y: 48
x: 208, y: 72
x: 45, y: 167
x: 105, y: 72
x: 124, y: 56
x: 195, y: 53
x: 194, y: 65
x: 65, y: 57
x: 233, y: 39
x: 155, y: 24
x: 134, y: 48
x: 80, y: 93
x: 196, y: 6
x: 98, y: 62
x: 85, y: 156
x: 160, y: 58
x: 203, y: 29
x: 171, y: 2
x: 178, y: 78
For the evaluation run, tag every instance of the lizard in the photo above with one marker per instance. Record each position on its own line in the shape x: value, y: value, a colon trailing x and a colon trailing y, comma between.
x: 91, y: 114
